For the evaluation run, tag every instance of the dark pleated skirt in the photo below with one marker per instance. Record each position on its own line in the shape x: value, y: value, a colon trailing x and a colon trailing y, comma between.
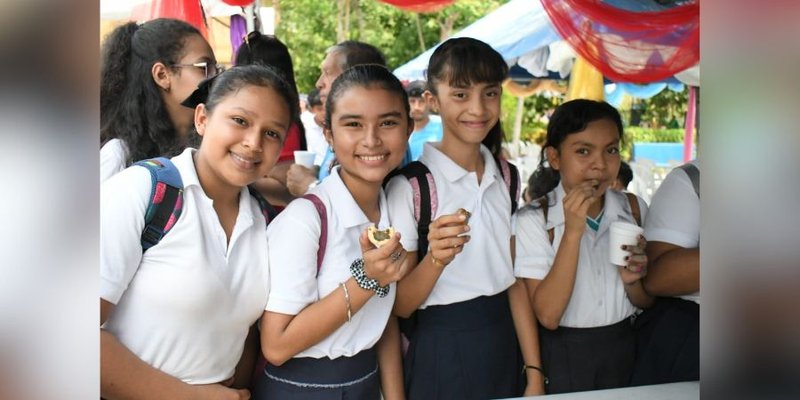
x: 578, y: 359
x: 354, y: 378
x: 466, y: 350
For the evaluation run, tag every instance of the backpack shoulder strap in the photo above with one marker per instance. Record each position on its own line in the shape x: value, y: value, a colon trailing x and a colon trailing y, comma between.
x: 166, y: 200
x: 634, y: 202
x: 545, y: 208
x: 511, y: 178
x: 694, y: 176
x: 267, y: 209
x: 425, y: 201
x: 322, y: 211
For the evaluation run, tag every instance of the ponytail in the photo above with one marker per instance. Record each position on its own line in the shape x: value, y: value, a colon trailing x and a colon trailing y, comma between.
x: 543, y: 180
x: 116, y: 58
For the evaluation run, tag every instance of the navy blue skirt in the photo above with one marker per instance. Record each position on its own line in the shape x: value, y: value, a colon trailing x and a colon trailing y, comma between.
x: 466, y: 350
x: 578, y: 359
x: 304, y: 378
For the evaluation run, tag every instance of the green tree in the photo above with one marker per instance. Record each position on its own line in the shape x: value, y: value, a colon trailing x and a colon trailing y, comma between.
x: 309, y: 27
x: 666, y: 109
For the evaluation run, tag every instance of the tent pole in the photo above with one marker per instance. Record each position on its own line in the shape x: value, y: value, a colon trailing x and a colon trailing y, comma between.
x: 517, y: 127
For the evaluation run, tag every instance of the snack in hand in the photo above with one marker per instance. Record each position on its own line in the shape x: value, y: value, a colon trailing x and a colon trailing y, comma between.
x: 465, y: 213
x: 379, y: 237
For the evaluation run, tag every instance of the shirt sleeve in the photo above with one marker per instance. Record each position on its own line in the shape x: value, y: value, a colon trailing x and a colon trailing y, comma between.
x: 112, y: 159
x: 399, y: 196
x: 123, y: 201
x: 674, y: 215
x: 534, y: 253
x: 292, y: 242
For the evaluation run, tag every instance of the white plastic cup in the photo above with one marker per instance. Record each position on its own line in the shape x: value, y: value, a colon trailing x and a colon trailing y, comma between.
x: 304, y: 158
x: 622, y: 233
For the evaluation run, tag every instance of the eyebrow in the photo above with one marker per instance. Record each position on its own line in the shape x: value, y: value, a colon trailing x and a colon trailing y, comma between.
x: 584, y: 143
x: 357, y: 116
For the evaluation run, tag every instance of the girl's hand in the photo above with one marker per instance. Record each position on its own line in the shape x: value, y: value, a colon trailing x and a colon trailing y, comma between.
x: 444, y: 241
x: 218, y: 391
x: 576, y: 206
x: 385, y: 264
x: 637, y: 262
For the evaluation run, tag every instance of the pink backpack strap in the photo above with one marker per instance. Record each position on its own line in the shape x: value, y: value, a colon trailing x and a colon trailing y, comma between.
x: 323, y: 231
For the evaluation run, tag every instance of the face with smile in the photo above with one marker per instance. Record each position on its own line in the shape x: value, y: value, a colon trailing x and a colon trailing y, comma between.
x: 369, y: 133
x: 588, y: 155
x: 242, y: 136
x: 468, y: 113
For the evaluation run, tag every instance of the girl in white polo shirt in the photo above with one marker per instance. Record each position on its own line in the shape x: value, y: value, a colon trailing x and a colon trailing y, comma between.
x: 332, y: 290
x: 471, y: 315
x: 582, y: 301
x: 176, y: 317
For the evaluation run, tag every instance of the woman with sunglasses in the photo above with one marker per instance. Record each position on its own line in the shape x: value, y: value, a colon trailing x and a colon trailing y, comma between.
x: 147, y: 71
x: 270, y: 51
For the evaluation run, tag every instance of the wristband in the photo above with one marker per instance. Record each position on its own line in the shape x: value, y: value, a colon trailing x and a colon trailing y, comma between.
x: 541, y: 371
x: 365, y: 282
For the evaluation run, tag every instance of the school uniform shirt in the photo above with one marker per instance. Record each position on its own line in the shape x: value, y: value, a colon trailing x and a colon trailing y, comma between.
x: 293, y: 242
x: 674, y: 215
x: 598, y: 297
x: 113, y: 158
x: 186, y: 304
x: 483, y: 268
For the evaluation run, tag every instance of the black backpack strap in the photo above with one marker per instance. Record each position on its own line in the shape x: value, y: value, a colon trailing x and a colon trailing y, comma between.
x: 634, y: 203
x: 543, y: 202
x: 322, y: 211
x: 694, y: 176
x: 267, y: 209
x: 166, y: 200
x: 510, y: 175
x: 424, y: 194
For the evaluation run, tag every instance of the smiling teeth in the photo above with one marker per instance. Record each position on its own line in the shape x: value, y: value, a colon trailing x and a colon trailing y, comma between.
x: 373, y: 158
x: 245, y: 160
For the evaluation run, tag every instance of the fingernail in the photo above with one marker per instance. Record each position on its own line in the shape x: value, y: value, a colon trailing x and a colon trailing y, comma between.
x: 462, y: 217
x: 466, y: 228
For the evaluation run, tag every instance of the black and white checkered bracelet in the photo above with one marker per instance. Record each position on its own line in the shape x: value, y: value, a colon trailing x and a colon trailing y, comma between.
x: 366, y: 283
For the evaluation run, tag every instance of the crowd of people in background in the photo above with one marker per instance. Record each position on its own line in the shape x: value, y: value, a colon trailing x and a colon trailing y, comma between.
x: 404, y: 262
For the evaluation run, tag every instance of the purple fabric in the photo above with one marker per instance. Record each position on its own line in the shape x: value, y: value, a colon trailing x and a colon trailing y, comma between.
x: 238, y: 30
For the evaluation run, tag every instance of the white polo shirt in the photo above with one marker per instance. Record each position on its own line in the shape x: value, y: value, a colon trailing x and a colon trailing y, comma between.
x: 483, y: 268
x: 293, y: 242
x: 113, y: 157
x: 675, y: 215
x: 186, y: 305
x: 598, y: 297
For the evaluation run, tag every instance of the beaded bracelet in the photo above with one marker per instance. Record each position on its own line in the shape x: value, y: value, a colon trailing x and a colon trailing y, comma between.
x: 365, y: 282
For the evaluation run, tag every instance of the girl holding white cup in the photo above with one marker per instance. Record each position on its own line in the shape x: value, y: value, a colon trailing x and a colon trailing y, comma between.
x: 582, y: 300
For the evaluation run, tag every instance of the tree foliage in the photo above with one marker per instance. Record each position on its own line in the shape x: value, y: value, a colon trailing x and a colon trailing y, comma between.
x: 309, y: 27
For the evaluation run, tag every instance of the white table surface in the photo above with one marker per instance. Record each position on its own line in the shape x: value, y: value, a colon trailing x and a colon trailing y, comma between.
x: 667, y: 391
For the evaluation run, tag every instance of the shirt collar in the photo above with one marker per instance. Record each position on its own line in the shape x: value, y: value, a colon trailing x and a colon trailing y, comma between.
x: 185, y: 164
x: 348, y: 212
x: 431, y: 155
x: 614, y: 209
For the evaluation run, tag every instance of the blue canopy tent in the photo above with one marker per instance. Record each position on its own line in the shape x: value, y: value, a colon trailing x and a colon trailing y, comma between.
x: 522, y: 29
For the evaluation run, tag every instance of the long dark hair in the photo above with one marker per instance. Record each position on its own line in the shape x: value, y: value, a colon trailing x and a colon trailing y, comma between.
x: 568, y: 118
x: 466, y: 61
x: 270, y: 51
x: 131, y: 106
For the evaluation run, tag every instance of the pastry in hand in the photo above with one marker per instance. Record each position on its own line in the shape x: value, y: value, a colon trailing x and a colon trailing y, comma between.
x: 379, y: 237
x: 465, y: 213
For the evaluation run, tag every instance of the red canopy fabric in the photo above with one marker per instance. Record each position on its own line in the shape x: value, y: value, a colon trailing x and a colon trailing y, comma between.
x: 419, y: 6
x: 186, y: 10
x: 628, y: 46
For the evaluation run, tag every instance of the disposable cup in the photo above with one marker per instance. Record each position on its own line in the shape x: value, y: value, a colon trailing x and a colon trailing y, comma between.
x: 622, y: 233
x: 304, y: 158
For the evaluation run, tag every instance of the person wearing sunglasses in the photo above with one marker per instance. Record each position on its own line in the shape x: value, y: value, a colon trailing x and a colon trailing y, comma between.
x: 147, y: 71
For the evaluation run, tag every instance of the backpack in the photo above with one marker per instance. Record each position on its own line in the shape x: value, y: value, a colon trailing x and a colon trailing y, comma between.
x: 425, y: 198
x: 632, y: 201
x: 166, y: 200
